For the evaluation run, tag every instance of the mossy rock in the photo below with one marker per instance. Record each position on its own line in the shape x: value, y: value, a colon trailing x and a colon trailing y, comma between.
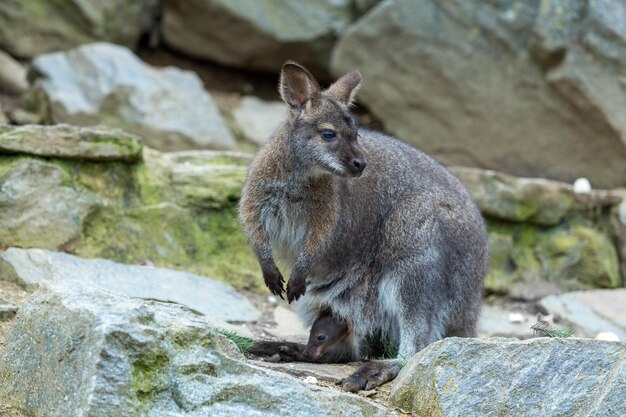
x: 573, y: 256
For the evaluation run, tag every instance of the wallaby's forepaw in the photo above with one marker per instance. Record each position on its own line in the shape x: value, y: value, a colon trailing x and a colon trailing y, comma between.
x: 371, y: 375
x: 295, y: 289
x: 275, y: 282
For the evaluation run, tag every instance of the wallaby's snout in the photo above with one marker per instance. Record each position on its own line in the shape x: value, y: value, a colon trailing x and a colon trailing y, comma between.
x: 355, y: 162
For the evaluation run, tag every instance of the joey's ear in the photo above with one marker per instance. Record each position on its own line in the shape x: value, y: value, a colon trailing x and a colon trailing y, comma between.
x: 297, y: 86
x: 346, y: 87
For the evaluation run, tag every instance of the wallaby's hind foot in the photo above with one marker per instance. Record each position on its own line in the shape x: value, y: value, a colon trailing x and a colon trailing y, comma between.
x: 371, y: 375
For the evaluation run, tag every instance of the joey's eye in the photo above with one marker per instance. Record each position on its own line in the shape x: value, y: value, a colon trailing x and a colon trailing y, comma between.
x: 321, y: 338
x: 328, y: 135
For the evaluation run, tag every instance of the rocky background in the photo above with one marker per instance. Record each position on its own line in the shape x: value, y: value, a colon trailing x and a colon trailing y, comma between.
x: 126, y: 127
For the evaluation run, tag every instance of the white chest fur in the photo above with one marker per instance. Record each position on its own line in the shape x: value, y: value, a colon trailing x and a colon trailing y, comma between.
x: 286, y: 223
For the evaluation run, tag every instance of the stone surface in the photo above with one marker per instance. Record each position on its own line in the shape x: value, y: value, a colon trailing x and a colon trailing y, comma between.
x: 12, y: 75
x: 29, y: 28
x: 258, y: 119
x: 3, y: 117
x: 74, y: 350
x: 591, y: 312
x: 37, y: 204
x: 98, y: 143
x: 525, y: 88
x: 107, y: 84
x: 213, y: 30
x: 32, y: 267
x: 494, y: 322
x: 331, y: 373
x: 543, y: 377
x: 288, y: 326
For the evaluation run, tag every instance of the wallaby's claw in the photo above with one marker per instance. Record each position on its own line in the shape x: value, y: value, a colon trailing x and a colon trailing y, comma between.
x: 295, y: 289
x: 275, y: 283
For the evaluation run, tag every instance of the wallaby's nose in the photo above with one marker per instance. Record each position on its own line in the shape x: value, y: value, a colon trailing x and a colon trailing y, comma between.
x: 358, y: 163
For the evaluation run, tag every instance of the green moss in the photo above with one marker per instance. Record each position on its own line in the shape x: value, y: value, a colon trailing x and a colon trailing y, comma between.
x: 149, y: 374
x: 230, y: 258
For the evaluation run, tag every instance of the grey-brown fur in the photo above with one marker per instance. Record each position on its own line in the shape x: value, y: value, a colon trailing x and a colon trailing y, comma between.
x: 398, y: 248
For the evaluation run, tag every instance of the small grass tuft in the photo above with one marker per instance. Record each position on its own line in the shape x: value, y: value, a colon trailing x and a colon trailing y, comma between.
x: 545, y: 329
x: 242, y: 342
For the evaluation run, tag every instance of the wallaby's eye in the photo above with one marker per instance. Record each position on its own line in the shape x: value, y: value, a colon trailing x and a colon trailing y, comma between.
x: 321, y: 337
x: 328, y: 135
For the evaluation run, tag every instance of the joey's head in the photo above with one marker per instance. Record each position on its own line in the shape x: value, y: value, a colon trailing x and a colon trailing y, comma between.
x: 323, y: 131
x: 326, y: 333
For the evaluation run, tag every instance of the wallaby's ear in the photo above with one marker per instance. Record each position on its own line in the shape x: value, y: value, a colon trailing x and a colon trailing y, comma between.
x: 346, y: 87
x: 297, y: 86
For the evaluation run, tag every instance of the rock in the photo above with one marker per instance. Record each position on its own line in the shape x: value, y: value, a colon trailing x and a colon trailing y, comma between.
x: 208, y: 179
x: 331, y: 373
x: 543, y: 377
x: 495, y: 321
x: 12, y: 75
x: 107, y: 84
x: 288, y: 326
x: 39, y: 207
x: 573, y: 256
x: 502, y: 196
x: 76, y: 349
x: 98, y: 143
x: 213, y: 30
x: 591, y: 312
x: 3, y: 117
x: 508, y: 85
x: 32, y: 267
x: 258, y: 119
x: 30, y: 28
x: 544, y: 237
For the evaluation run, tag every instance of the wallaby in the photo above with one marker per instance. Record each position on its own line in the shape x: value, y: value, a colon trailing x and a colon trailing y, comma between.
x: 330, y: 340
x: 373, y: 230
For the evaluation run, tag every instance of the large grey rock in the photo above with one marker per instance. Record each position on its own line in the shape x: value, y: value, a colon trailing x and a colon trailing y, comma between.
x: 12, y: 75
x: 502, y: 377
x: 96, y: 143
x: 31, y: 267
x: 38, y: 205
x: 3, y: 117
x: 107, y: 84
x: 74, y: 350
x: 529, y: 88
x: 258, y: 119
x: 591, y: 312
x: 214, y: 30
x: 29, y: 28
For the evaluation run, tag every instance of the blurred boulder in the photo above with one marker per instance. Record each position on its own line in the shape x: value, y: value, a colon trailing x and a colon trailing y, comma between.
x: 591, y: 312
x: 529, y: 88
x: 3, y: 117
x: 504, y: 377
x: 12, y: 75
x: 544, y: 237
x: 33, y: 267
x: 38, y: 206
x: 259, y: 34
x: 258, y: 119
x: 107, y: 84
x: 75, y: 349
x: 173, y: 210
x: 97, y: 143
x: 29, y: 28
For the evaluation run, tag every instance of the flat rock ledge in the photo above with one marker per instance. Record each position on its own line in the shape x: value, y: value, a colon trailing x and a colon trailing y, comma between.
x: 506, y: 377
x: 94, y: 143
x: 217, y: 300
x: 77, y: 350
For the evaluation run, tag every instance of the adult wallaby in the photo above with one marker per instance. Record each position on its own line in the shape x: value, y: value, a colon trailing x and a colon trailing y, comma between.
x: 397, y: 248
